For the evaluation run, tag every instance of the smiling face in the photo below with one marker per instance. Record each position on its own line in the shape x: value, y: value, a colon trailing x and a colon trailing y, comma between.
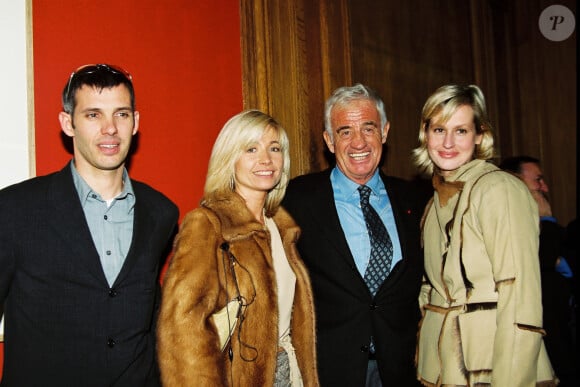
x: 358, y: 142
x: 102, y: 127
x: 259, y: 169
x: 451, y: 144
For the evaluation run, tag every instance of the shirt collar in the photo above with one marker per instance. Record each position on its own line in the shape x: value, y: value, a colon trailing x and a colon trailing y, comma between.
x: 84, y: 190
x: 349, y: 188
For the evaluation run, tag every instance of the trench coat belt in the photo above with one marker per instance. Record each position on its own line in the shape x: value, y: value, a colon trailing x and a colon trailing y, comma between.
x: 480, y: 306
x: 468, y: 308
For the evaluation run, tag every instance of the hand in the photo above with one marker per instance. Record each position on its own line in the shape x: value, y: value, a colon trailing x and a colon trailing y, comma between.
x: 544, y: 207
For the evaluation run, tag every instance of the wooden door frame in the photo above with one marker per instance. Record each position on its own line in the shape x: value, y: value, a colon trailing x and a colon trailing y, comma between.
x: 294, y: 54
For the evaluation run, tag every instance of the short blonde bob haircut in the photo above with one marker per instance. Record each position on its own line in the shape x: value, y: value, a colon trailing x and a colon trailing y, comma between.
x: 445, y: 101
x: 238, y: 134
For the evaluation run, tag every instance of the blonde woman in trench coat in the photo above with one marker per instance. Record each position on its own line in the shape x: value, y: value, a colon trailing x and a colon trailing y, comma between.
x: 480, y: 300
x: 239, y: 243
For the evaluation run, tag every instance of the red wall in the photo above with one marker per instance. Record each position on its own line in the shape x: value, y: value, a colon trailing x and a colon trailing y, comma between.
x: 185, y: 59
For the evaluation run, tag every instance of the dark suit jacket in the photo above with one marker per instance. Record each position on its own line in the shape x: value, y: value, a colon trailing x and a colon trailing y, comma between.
x: 557, y: 313
x: 347, y: 315
x: 64, y: 325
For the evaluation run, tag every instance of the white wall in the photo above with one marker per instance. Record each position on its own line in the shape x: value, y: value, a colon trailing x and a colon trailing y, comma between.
x: 16, y: 145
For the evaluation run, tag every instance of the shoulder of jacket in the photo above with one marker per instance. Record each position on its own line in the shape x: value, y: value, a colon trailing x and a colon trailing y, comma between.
x: 202, y: 215
x: 144, y: 188
x: 155, y: 200
x: 34, y: 187
x: 492, y: 178
x: 311, y: 178
x: 286, y: 224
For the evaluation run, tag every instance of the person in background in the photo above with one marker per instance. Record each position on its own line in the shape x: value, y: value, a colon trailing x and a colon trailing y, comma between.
x: 529, y: 170
x: 360, y: 242
x: 480, y: 299
x: 571, y: 251
x: 80, y: 251
x: 556, y: 273
x: 239, y: 244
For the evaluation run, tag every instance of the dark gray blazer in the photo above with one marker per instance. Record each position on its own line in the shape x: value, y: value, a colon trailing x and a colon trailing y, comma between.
x: 346, y: 313
x: 64, y: 325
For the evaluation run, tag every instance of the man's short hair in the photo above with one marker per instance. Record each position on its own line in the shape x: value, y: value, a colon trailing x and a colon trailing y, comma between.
x: 514, y: 164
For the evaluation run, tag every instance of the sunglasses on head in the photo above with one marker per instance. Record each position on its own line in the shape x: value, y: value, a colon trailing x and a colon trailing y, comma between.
x: 92, y: 68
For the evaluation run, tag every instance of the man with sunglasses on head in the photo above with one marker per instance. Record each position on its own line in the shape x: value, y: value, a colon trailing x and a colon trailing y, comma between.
x: 81, y: 249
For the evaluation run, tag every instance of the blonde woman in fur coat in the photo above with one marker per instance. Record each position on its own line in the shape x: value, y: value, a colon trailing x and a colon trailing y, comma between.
x: 239, y: 244
x: 481, y: 300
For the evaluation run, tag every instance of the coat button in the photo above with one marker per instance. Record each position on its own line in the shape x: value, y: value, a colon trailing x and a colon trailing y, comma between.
x: 364, y: 348
x: 373, y: 306
x: 112, y: 292
x: 111, y: 343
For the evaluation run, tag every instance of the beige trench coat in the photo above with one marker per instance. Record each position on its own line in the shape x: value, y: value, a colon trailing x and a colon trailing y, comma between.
x: 481, y: 299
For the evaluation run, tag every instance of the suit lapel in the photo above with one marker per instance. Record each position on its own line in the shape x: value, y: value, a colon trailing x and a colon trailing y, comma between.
x: 68, y: 221
x: 322, y: 203
x: 143, y: 226
x: 400, y: 211
x: 403, y: 220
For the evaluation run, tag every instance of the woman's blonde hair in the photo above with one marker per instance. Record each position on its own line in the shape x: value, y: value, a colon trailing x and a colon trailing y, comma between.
x: 445, y: 101
x: 238, y: 134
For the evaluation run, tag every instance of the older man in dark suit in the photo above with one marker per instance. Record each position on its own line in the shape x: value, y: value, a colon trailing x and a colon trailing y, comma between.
x: 360, y: 241
x: 81, y: 249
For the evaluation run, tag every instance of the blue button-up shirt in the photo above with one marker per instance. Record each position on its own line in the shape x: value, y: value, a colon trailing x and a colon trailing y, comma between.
x: 111, y: 225
x: 347, y: 200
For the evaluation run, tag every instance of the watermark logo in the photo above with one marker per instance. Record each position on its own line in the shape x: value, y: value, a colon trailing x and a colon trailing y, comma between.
x: 557, y: 23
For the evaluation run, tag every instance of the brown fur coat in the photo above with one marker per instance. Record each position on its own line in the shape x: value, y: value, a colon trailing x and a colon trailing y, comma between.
x: 194, y: 289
